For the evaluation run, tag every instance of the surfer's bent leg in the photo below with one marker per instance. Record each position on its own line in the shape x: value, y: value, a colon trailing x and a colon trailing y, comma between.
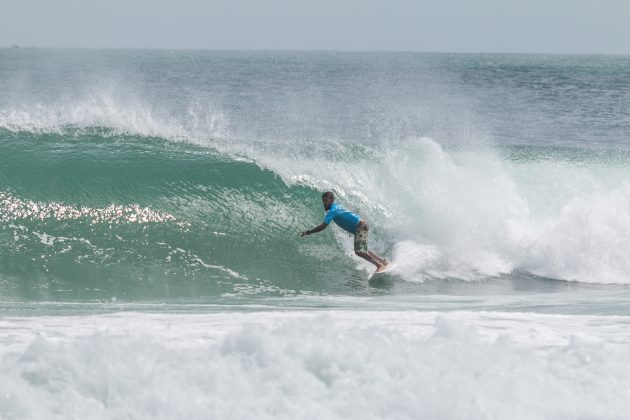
x: 378, y: 258
x: 361, y: 247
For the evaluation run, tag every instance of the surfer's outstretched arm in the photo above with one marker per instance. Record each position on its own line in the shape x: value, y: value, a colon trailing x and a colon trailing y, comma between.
x: 314, y: 230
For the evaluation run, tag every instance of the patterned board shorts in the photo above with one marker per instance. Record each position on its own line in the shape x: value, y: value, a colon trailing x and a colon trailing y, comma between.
x: 361, y: 238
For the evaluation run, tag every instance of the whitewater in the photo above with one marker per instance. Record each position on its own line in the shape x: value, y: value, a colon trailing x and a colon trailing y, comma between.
x: 151, y: 264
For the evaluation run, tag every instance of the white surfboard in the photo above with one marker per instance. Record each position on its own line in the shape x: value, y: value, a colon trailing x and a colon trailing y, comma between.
x: 385, y: 272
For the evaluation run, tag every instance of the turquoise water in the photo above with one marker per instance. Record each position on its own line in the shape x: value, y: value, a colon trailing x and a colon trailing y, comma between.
x: 150, y: 210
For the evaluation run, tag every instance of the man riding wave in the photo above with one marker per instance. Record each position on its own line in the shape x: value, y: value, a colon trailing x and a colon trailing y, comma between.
x: 351, y: 223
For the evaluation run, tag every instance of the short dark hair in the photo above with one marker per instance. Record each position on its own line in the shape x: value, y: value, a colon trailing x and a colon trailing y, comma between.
x: 329, y: 195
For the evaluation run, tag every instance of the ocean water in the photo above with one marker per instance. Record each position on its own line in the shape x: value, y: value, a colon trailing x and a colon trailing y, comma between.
x: 151, y: 264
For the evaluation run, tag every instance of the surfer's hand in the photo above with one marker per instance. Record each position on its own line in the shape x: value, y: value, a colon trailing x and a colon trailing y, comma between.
x: 303, y: 234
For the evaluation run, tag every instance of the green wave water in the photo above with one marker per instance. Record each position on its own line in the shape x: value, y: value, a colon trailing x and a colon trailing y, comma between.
x: 195, y: 222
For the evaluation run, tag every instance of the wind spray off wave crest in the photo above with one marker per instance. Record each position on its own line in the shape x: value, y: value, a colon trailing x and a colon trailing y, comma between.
x: 114, y: 112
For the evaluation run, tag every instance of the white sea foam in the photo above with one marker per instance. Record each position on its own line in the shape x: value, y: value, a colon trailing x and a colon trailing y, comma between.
x: 465, y: 214
x: 324, y: 365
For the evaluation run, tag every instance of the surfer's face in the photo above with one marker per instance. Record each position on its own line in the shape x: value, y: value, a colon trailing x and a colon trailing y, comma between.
x: 327, y: 202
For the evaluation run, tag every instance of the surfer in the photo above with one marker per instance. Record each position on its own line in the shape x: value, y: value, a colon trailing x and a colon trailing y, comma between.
x: 351, y: 223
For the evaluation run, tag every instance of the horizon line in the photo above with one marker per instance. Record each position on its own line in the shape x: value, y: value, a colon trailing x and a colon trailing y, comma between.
x: 309, y: 50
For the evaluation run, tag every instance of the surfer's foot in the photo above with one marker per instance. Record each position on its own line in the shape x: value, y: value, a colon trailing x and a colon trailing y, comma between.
x: 382, y: 267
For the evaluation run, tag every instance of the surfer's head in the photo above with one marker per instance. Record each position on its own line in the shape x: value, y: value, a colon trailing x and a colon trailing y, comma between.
x: 327, y: 199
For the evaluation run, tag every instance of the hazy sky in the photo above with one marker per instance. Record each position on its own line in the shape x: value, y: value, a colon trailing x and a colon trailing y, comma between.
x: 566, y: 26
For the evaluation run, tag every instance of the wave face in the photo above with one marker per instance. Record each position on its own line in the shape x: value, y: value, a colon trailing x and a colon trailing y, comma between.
x: 123, y: 215
x: 191, y: 174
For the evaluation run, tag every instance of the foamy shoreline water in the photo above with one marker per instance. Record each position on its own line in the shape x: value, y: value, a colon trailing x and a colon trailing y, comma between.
x: 327, y: 364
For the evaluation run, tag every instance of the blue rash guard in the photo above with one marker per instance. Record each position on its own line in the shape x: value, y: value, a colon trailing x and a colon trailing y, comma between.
x: 345, y: 219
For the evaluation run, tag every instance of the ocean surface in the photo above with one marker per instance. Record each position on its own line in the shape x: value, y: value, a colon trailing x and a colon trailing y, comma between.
x: 151, y: 265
